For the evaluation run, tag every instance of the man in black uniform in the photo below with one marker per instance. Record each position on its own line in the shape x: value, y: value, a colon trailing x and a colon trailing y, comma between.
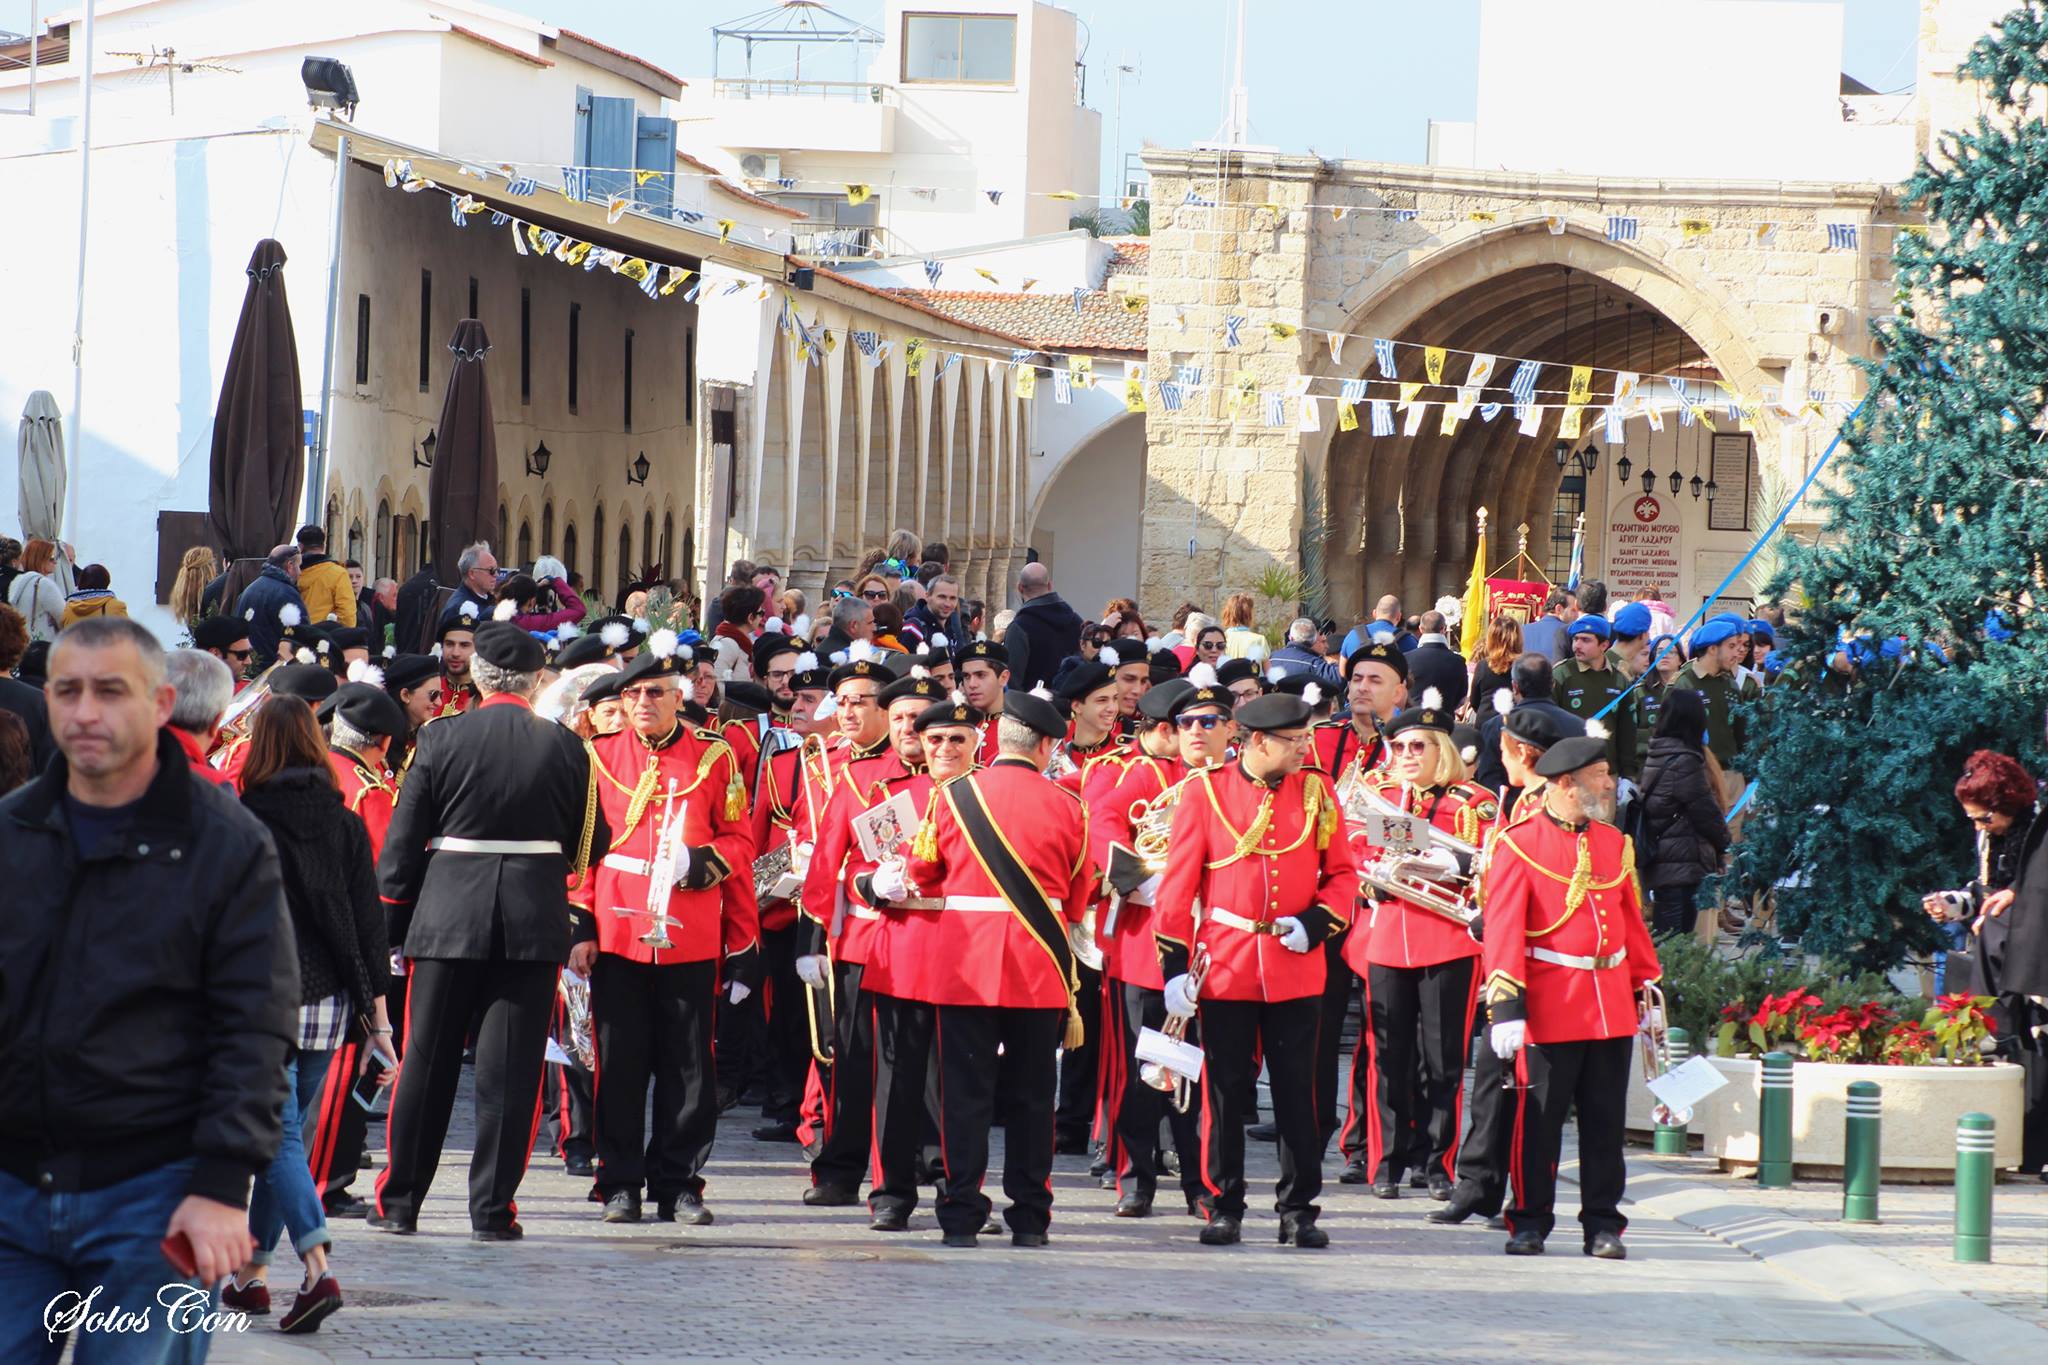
x: 497, y: 811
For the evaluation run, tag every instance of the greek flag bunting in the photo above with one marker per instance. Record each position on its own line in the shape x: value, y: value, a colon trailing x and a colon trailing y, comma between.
x: 1276, y: 410
x: 1488, y: 411
x: 787, y: 182
x: 1684, y: 400
x: 1841, y: 236
x: 994, y: 196
x: 573, y: 181
x: 1404, y: 215
x: 455, y: 213
x: 1383, y: 351
x: 521, y: 186
x: 1621, y: 229
x: 1523, y: 386
x: 932, y: 271
x: 650, y: 282
x: 1352, y: 391
x: 952, y: 359
x: 499, y: 218
x: 1170, y: 395
x: 1080, y: 292
x: 1612, y: 418
x: 1230, y: 325
x: 1382, y: 417
x: 1062, y: 387
x: 690, y: 216
x: 1194, y: 200
x: 1188, y: 376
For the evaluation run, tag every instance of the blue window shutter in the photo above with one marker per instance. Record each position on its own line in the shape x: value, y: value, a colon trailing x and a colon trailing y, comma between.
x: 656, y: 151
x: 611, y: 145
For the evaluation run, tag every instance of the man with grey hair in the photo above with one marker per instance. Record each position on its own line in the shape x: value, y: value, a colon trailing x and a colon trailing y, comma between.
x: 263, y: 602
x: 204, y: 685
x: 478, y: 568
x: 852, y: 619
x: 1299, y: 655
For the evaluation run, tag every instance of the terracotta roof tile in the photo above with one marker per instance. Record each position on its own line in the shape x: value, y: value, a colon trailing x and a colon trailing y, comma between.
x: 623, y: 56
x: 1046, y: 320
x: 1132, y: 258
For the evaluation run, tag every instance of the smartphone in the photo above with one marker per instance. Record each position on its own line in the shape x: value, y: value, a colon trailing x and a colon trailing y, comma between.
x: 177, y: 1249
x: 370, y: 1096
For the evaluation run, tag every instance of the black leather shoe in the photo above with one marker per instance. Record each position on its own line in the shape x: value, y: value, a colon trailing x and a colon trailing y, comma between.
x: 687, y: 1209
x: 1453, y: 1211
x: 346, y: 1206
x: 1440, y: 1185
x: 890, y: 1220
x: 961, y: 1239
x: 1222, y: 1231
x: 993, y: 1227
x: 1527, y: 1242
x: 1194, y: 1206
x: 1303, y: 1232
x: 775, y: 1132
x: 1606, y: 1246
x: 511, y: 1232
x: 1386, y: 1189
x: 812, y: 1149
x: 830, y: 1196
x: 1262, y: 1132
x: 403, y: 1227
x: 1028, y: 1239
x: 581, y: 1167
x: 1098, y: 1168
x: 1419, y: 1180
x: 1134, y: 1204
x: 1107, y: 1180
x: 1355, y: 1173
x: 622, y: 1207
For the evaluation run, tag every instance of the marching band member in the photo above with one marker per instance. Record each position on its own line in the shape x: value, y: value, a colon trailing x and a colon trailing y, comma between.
x: 1133, y: 678
x: 778, y: 787
x: 1008, y: 852
x: 1093, y: 694
x: 1260, y: 846
x: 457, y: 646
x: 984, y: 672
x: 662, y: 783
x: 900, y: 962
x: 1567, y: 950
x: 1420, y: 972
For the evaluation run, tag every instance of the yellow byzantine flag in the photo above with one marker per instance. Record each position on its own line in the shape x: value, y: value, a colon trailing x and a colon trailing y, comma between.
x: 1568, y: 421
x: 1282, y: 330
x: 1433, y: 363
x: 1063, y: 194
x: 1081, y: 371
x: 859, y: 194
x: 913, y: 355
x: 1449, y: 425
x: 1408, y: 391
x: 632, y: 268
x: 676, y: 275
x: 1134, y: 303
x: 575, y: 254
x: 642, y: 177
x: 1244, y: 391
x: 1134, y: 386
x: 1347, y: 417
x: 1694, y: 227
x: 1483, y: 216
x: 1581, y: 388
x: 1472, y: 621
x: 725, y: 227
x: 1027, y: 381
x: 988, y: 275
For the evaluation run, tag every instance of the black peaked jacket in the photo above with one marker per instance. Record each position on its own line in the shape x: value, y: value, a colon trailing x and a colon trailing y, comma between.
x: 496, y: 772
x: 148, y: 996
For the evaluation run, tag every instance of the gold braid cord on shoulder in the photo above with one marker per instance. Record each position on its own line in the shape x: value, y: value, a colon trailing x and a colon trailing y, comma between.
x: 925, y: 847
x: 581, y: 862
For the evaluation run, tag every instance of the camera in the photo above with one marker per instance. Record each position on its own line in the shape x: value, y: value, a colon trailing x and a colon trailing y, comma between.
x: 1956, y: 905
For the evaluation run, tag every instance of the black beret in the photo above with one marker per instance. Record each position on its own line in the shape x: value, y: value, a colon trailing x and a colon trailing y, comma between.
x: 1165, y: 665
x: 1379, y: 652
x: 983, y: 649
x: 365, y: 708
x: 504, y: 645
x: 1541, y: 723
x: 694, y: 715
x: 307, y: 682
x: 1028, y: 708
x: 350, y: 637
x: 1298, y: 683
x: 305, y: 637
x: 587, y: 648
x: 816, y: 678
x: 652, y: 665
x: 409, y: 670
x: 1203, y: 696
x: 1239, y: 670
x: 457, y: 621
x: 948, y: 712
x: 605, y: 688
x: 1083, y: 679
x: 1125, y: 651
x: 769, y: 646
x: 751, y: 695
x: 1419, y: 717
x: 1465, y: 737
x: 1274, y: 711
x: 1157, y: 703
x: 218, y: 632
x: 1570, y: 754
x: 871, y: 670
x: 924, y: 689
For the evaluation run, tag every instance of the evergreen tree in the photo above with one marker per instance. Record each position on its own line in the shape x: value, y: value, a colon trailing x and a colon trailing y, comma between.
x: 1921, y: 635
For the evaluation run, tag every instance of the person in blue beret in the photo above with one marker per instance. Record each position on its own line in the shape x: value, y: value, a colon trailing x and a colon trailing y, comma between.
x: 1716, y: 648
x: 1588, y: 683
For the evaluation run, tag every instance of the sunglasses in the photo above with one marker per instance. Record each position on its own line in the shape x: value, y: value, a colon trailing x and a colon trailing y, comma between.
x: 874, y: 594
x: 1199, y: 722
x: 932, y: 741
x: 647, y: 693
x: 1408, y: 746
x: 241, y: 654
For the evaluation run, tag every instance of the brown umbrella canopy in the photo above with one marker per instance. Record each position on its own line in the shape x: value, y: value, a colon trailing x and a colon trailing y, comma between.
x: 462, y: 493
x: 259, y: 453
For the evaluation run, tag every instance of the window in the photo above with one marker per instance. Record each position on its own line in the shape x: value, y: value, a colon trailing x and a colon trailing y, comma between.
x: 629, y: 379
x: 625, y: 556
x: 647, y: 540
x: 386, y: 567
x: 526, y: 345
x: 687, y: 570
x: 547, y: 528
x: 668, y: 544
x: 331, y: 523
x: 689, y: 376
x: 426, y: 326
x: 472, y: 297
x: 355, y: 540
x: 569, y: 548
x: 575, y: 347
x: 362, y: 340
x: 596, y: 579
x: 504, y: 530
x: 525, y: 559
x: 968, y: 48
x: 1564, y: 519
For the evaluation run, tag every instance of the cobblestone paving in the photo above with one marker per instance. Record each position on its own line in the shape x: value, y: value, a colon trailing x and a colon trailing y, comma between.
x: 776, y: 1281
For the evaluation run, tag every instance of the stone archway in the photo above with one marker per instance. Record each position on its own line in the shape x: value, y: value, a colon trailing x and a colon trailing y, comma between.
x: 1096, y: 500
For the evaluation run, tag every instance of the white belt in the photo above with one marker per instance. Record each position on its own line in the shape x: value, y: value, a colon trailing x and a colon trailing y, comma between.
x: 449, y: 843
x: 1584, y: 964
x: 863, y: 912
x: 626, y: 862
x: 1250, y: 926
x: 991, y: 903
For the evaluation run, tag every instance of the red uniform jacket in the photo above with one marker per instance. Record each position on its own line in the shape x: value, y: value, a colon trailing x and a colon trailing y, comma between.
x: 838, y: 868
x: 1338, y: 749
x: 229, y: 758
x: 455, y: 700
x: 1550, y: 892
x: 989, y: 751
x: 367, y: 791
x: 195, y: 754
x: 840, y: 757
x: 715, y: 904
x: 1129, y: 951
x: 744, y: 739
x: 1402, y: 933
x: 1255, y: 853
x: 981, y: 953
x: 1111, y: 751
x: 778, y: 801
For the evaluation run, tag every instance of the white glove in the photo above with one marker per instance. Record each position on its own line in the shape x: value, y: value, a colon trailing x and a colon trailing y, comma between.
x: 1507, y: 1037
x: 1295, y: 937
x: 1652, y: 1022
x: 1180, y: 997
x: 682, y: 863
x: 1437, y: 864
x: 1146, y: 891
x: 811, y: 971
x: 737, y: 991
x: 889, y: 883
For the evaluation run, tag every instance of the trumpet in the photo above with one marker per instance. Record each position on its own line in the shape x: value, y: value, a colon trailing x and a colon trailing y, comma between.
x: 1654, y: 1047
x: 661, y: 873
x: 1396, y: 876
x: 1157, y: 1076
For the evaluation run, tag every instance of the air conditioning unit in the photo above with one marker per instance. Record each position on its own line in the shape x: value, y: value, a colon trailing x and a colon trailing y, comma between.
x: 761, y: 166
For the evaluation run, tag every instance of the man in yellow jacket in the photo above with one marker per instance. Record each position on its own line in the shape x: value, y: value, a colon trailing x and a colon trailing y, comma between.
x: 323, y: 582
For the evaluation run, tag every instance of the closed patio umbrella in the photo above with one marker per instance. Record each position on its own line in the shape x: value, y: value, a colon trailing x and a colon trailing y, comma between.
x: 259, y: 453
x: 41, y: 451
x: 462, y: 491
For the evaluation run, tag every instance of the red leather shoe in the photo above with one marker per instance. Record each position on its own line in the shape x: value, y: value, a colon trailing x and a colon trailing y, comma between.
x: 253, y: 1300
x: 313, y: 1306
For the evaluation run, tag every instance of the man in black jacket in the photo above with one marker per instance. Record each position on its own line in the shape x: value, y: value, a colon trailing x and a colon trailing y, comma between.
x: 1044, y: 631
x: 1433, y: 663
x: 498, y: 809
x: 149, y: 991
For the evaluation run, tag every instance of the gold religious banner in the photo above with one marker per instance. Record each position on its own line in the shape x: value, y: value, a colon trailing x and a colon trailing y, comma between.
x: 913, y: 355
x: 1433, y: 363
x: 1027, y: 381
x: 1568, y: 422
x: 1581, y: 389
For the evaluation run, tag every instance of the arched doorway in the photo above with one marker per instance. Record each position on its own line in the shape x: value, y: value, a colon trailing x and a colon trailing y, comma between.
x: 1086, y: 517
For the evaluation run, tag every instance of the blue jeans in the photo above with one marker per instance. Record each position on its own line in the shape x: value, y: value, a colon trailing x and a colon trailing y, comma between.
x: 1956, y: 933
x: 284, y: 1195
x: 94, y: 1255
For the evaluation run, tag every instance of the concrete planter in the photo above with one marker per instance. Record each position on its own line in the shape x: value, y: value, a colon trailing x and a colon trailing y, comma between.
x: 1921, y: 1106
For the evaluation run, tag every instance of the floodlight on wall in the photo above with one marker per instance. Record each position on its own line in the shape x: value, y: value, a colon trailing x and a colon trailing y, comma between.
x: 329, y: 85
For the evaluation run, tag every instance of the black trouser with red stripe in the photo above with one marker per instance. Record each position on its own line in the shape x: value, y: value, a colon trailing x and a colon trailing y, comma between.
x: 850, y: 1103
x: 1234, y: 1033
x: 787, y: 1039
x: 512, y: 1000
x: 970, y: 1073
x: 1495, y: 1100
x: 1080, y: 1093
x: 1135, y: 1106
x: 654, y: 1022
x: 906, y: 1099
x: 336, y: 1131
x: 1416, y: 1017
x: 565, y: 1104
x: 1336, y: 999
x: 1594, y: 1076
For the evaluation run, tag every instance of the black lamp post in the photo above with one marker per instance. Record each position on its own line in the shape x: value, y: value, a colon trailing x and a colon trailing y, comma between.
x: 1622, y: 466
x: 1649, y: 480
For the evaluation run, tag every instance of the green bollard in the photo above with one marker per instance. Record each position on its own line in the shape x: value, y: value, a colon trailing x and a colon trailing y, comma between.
x: 1669, y: 1139
x: 1976, y: 1141
x: 1861, y: 1163
x: 1774, y: 1128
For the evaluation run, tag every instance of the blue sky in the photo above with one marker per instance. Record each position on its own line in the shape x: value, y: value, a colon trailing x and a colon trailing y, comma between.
x: 1348, y: 78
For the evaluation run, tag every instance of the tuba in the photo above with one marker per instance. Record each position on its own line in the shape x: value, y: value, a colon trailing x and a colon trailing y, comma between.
x: 1061, y: 764
x: 1397, y: 875
x: 1081, y: 938
x: 580, y: 1029
x: 1152, y: 827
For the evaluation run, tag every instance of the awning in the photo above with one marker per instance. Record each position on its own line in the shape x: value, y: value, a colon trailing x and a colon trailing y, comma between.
x: 660, y: 241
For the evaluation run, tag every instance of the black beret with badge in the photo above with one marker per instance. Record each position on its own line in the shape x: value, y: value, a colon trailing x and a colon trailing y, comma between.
x: 1274, y: 711
x: 1570, y: 754
x: 1158, y: 702
x: 664, y: 657
x: 1426, y: 714
x: 987, y: 650
x: 1378, y: 652
x: 307, y: 682
x: 1203, y: 690
x: 504, y: 645
x: 218, y: 632
x: 953, y: 711
x: 914, y: 685
x: 408, y: 671
x: 1037, y: 711
x: 366, y: 709
x: 1083, y: 679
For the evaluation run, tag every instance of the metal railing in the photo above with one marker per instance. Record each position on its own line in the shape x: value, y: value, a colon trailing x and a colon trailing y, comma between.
x: 838, y: 241
x: 760, y: 88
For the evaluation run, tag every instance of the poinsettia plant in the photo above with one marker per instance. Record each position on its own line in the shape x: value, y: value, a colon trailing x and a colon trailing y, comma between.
x: 1852, y: 1033
x: 1908, y: 1044
x: 1960, y: 1024
x: 1775, y: 1021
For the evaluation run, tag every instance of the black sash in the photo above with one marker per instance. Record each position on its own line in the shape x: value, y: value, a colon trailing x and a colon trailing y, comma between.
x: 1020, y: 890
